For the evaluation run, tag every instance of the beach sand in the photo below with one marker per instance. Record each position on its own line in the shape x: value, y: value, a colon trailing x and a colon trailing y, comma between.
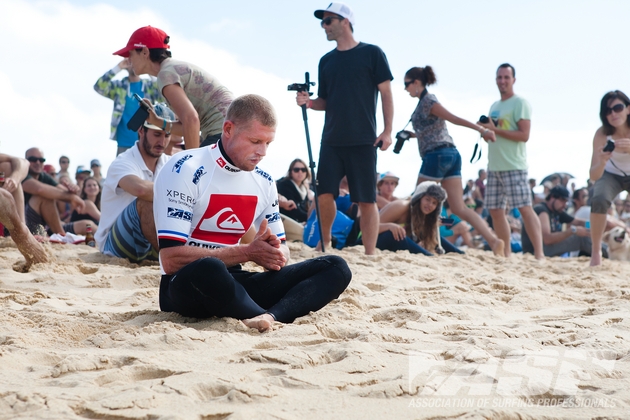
x: 456, y: 336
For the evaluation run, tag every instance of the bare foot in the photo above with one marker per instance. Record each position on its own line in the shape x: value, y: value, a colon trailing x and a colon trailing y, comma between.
x: 262, y: 322
x: 596, y: 260
x: 328, y: 245
x: 498, y: 248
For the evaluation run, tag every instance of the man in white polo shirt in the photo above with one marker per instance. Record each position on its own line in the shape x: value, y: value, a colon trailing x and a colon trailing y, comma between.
x: 127, y: 228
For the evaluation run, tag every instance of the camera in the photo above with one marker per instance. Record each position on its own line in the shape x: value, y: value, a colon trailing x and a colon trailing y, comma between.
x: 302, y: 87
x: 484, y: 120
x: 401, y: 137
x: 140, y: 116
x: 610, y: 145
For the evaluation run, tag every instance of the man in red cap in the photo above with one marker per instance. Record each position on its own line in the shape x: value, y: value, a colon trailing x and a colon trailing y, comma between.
x: 198, y: 99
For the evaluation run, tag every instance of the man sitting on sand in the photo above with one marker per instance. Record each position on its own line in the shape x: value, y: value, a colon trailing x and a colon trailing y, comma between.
x: 205, y: 201
x: 552, y: 216
x: 12, y: 209
x: 127, y: 229
x: 41, y: 194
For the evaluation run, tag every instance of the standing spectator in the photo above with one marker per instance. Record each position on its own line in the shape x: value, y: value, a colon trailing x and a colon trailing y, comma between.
x: 507, y: 162
x: 121, y: 92
x: 293, y: 191
x: 350, y: 78
x: 198, y: 99
x: 127, y: 227
x: 64, y: 163
x: 480, y: 191
x: 95, y: 165
x: 609, y: 169
x: 441, y: 161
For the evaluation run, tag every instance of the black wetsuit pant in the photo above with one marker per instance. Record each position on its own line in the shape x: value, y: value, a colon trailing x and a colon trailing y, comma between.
x: 207, y: 288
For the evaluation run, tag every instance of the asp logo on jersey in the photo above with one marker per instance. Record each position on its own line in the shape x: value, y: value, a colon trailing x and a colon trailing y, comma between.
x: 226, y: 219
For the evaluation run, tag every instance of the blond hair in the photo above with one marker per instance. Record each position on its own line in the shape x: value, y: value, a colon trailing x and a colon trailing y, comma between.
x: 247, y: 108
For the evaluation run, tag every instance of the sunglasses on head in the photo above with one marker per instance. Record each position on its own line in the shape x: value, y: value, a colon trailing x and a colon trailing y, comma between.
x: 616, y: 109
x: 408, y: 83
x: 296, y: 170
x: 34, y: 159
x: 328, y: 20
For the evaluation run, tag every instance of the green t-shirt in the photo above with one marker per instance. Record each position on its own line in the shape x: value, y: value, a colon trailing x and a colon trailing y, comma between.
x: 208, y: 96
x: 504, y: 154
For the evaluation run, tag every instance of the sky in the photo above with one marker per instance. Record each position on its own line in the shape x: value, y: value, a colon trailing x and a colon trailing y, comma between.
x: 567, y: 55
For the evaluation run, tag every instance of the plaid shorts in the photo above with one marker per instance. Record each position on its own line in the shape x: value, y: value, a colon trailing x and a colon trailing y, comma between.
x: 507, y: 189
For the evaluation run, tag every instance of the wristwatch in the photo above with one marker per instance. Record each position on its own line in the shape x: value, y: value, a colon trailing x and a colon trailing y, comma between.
x: 573, y: 230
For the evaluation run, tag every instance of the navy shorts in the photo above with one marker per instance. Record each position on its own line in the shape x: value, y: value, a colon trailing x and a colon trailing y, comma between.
x: 442, y: 163
x: 358, y: 163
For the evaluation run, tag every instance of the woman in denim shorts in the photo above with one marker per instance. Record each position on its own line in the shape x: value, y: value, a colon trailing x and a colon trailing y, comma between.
x: 441, y: 161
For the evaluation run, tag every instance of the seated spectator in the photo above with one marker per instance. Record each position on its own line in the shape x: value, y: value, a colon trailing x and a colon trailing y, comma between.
x: 32, y: 251
x: 50, y: 170
x: 412, y: 224
x: 64, y: 163
x: 468, y: 189
x: 294, y: 195
x: 95, y: 165
x: 459, y: 230
x: 41, y: 194
x: 15, y: 170
x: 91, y: 195
x: 618, y: 207
x: 81, y: 175
x: 552, y: 216
x: 127, y: 227
x: 625, y: 211
x: 385, y: 187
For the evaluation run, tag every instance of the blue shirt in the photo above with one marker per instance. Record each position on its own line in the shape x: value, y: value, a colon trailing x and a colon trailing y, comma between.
x: 126, y: 137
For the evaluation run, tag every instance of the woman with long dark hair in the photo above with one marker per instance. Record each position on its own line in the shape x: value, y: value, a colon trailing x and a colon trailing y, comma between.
x: 413, y: 224
x: 610, y: 163
x: 441, y: 162
x: 91, y: 195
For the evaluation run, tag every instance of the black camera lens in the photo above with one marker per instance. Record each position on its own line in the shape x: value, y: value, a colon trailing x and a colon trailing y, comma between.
x: 483, y: 119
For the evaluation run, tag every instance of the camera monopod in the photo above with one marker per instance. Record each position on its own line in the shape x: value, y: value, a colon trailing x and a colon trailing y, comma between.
x: 304, y: 87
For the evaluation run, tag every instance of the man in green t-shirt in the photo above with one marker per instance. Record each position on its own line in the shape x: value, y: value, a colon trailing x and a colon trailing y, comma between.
x: 510, y: 119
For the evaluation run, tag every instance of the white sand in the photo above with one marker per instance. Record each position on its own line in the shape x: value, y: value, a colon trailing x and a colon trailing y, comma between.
x: 465, y: 337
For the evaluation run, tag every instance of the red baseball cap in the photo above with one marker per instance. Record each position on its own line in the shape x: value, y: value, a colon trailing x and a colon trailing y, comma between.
x: 147, y: 36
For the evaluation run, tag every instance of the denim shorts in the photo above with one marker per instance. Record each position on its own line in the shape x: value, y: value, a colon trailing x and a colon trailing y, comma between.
x: 442, y: 163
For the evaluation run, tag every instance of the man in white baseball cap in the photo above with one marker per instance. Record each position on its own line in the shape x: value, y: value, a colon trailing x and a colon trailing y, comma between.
x: 350, y: 79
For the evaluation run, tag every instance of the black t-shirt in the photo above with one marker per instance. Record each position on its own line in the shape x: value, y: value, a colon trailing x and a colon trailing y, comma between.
x: 348, y: 81
x: 556, y: 221
x: 43, y: 178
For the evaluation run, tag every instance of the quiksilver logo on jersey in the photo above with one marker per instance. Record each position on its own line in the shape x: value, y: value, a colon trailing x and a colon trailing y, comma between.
x: 178, y: 165
x: 226, y: 219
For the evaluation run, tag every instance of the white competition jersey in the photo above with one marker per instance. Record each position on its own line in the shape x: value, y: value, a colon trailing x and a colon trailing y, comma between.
x: 200, y: 199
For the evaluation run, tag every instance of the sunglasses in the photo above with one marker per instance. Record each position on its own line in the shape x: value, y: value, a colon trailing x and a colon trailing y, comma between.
x: 408, y: 83
x: 616, y: 109
x: 328, y: 20
x: 63, y: 162
x: 296, y: 170
x: 34, y: 159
